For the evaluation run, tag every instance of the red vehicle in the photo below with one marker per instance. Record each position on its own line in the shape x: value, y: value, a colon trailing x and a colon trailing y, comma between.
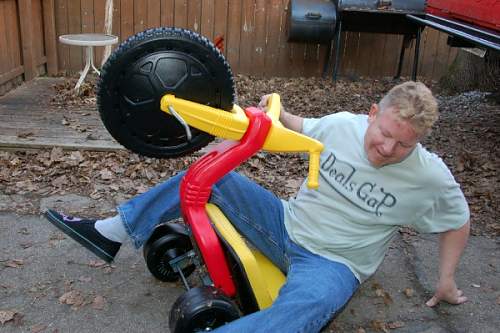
x: 483, y: 13
x: 474, y: 23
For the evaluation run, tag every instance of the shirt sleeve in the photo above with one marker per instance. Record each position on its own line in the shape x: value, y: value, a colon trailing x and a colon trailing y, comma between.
x: 449, y: 211
x: 319, y: 128
x: 310, y: 127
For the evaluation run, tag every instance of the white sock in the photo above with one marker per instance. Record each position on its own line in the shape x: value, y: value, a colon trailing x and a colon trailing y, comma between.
x: 112, y: 228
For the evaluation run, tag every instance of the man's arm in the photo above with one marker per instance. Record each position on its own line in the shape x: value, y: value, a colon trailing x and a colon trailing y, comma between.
x: 288, y: 120
x: 291, y: 121
x: 451, y: 246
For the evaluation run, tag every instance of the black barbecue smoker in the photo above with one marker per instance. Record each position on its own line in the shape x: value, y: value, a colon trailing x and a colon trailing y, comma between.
x: 322, y: 21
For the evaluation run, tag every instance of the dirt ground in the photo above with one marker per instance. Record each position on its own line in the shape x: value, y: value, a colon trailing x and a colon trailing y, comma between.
x: 50, y: 285
x: 466, y: 137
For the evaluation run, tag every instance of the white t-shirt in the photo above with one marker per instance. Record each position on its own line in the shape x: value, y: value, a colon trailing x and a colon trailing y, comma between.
x: 357, y: 208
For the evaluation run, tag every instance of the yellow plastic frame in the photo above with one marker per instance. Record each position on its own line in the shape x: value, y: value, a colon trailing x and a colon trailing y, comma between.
x: 233, y: 125
x: 264, y: 278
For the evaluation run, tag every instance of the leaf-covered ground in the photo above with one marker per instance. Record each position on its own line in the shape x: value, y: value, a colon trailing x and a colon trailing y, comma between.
x: 467, y: 137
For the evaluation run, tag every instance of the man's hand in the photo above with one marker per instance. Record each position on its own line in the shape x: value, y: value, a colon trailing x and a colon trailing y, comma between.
x: 451, y: 246
x: 288, y: 120
x: 263, y: 102
x: 447, y: 291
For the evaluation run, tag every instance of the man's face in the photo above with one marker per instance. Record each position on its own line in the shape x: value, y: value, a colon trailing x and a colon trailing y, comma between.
x: 388, y: 138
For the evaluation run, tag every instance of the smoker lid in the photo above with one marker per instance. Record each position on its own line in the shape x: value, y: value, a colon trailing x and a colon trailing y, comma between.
x: 382, y: 6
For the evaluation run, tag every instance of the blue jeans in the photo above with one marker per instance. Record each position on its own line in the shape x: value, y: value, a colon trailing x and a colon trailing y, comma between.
x: 316, y: 287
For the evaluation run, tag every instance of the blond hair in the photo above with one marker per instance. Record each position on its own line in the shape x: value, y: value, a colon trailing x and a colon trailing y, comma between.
x: 413, y: 102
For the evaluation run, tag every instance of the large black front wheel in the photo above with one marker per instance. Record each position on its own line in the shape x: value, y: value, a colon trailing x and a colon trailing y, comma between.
x: 149, y: 65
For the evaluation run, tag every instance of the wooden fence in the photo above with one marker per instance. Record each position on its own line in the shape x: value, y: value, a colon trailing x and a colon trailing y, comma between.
x: 27, y: 41
x: 254, y: 34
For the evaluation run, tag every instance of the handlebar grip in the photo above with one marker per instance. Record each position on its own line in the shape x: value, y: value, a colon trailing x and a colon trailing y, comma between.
x: 313, y: 178
x: 274, y: 107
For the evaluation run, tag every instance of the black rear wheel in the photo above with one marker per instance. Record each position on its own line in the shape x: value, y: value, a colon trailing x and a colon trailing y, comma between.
x: 201, y: 309
x: 161, y: 251
x: 142, y: 70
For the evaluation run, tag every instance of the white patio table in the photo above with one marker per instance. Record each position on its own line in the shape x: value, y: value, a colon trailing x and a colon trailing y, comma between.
x: 89, y: 41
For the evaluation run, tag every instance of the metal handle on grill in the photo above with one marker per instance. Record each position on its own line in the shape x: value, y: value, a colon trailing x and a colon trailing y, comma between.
x: 313, y: 16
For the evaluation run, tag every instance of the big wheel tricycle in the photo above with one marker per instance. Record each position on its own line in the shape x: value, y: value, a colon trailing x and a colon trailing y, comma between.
x: 167, y: 92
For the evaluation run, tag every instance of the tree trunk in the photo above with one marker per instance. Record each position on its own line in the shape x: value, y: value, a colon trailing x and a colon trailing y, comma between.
x: 471, y: 72
x: 108, y: 27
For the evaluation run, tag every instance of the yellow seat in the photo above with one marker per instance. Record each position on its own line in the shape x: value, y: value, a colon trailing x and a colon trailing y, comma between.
x: 264, y: 278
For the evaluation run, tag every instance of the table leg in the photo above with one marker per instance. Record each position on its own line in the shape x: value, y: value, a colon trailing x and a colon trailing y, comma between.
x: 92, y: 61
x: 86, y: 69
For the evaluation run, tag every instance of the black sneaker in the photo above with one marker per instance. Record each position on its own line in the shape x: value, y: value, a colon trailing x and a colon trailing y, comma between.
x: 85, y: 233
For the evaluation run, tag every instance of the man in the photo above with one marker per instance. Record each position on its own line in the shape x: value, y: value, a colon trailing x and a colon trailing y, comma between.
x: 374, y: 177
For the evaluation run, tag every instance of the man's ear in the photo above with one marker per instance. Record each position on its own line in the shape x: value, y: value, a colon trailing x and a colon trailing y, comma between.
x: 374, y: 109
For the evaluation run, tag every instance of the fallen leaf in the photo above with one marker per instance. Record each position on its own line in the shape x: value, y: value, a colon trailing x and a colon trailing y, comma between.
x: 385, y: 295
x: 408, y: 292
x: 24, y: 231
x: 98, y: 302
x: 60, y: 181
x: 379, y: 326
x: 38, y: 328
x: 14, y: 263
x: 57, y: 236
x: 56, y: 154
x: 26, y: 245
x: 24, y: 135
x: 6, y: 315
x: 84, y: 279
x: 387, y: 299
x: 73, y: 298
x: 395, y: 324
x: 106, y: 174
x: 96, y: 263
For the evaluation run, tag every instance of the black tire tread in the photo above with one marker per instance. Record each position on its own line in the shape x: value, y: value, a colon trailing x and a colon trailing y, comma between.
x: 142, y: 37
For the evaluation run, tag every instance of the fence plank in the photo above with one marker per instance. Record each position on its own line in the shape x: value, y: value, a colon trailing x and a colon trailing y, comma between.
x: 25, y: 15
x: 441, y: 60
x: 247, y: 35
x: 6, y: 62
x: 349, y: 51
x: 392, y: 50
x: 99, y: 9
x: 377, y: 54
x: 167, y: 13
x: 260, y: 47
x: 181, y: 15
x: 429, y: 56
x: 234, y: 34
x: 9, y: 75
x: 87, y: 8
x: 220, y: 21
x: 75, y: 27
x: 272, y: 36
x: 140, y: 16
x: 13, y: 37
x: 194, y: 15
x: 154, y: 14
x: 37, y: 32
x: 285, y: 48
x: 207, y: 18
x: 50, y: 36
x: 127, y: 19
x: 62, y: 29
